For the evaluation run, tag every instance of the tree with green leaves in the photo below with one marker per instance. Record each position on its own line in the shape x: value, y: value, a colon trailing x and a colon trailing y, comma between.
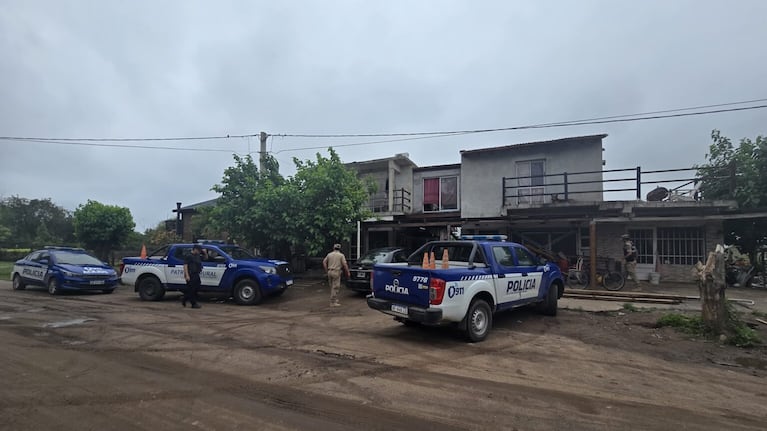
x: 253, y: 205
x: 316, y: 207
x: 738, y: 173
x: 330, y: 199
x: 35, y: 222
x: 102, y: 228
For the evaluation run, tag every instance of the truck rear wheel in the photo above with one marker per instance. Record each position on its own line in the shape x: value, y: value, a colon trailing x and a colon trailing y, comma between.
x: 247, y: 292
x: 150, y: 289
x: 478, y: 320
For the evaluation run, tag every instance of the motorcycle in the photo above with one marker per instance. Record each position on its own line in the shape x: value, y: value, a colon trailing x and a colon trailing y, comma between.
x: 740, y: 272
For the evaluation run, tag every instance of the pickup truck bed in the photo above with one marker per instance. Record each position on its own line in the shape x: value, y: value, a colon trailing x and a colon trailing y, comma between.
x: 481, y: 278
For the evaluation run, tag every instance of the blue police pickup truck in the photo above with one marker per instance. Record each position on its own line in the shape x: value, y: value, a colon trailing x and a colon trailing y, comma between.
x: 226, y: 268
x: 482, y: 275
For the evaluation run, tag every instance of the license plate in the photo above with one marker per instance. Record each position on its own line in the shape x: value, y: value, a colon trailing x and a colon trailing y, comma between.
x: 360, y: 274
x: 97, y: 281
x: 399, y: 309
x: 288, y: 283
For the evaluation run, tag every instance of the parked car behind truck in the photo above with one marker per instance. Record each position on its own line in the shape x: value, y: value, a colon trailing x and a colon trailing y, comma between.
x: 485, y: 275
x: 361, y: 269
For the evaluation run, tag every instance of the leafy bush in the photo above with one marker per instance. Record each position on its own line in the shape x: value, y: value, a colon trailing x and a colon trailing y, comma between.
x: 13, y: 254
x: 692, y: 325
x: 737, y: 332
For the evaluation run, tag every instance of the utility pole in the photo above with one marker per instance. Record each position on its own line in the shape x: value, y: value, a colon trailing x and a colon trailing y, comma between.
x: 262, y: 153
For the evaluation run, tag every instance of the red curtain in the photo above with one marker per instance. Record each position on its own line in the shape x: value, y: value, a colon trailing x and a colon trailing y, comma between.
x: 431, y: 191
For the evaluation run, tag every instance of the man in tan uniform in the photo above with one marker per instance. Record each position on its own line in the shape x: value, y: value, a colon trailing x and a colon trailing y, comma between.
x: 334, y: 263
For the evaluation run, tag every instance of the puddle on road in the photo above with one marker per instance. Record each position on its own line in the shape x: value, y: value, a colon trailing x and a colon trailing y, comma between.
x: 759, y: 364
x: 66, y: 323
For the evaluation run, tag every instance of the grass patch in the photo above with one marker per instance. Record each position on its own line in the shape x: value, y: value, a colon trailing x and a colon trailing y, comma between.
x: 692, y: 325
x: 5, y: 270
x: 630, y: 307
x: 737, y: 333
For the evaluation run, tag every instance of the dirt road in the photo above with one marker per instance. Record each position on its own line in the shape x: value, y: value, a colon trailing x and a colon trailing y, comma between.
x: 97, y: 362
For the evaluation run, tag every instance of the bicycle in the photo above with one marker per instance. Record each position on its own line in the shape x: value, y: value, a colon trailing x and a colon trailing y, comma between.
x: 610, y: 279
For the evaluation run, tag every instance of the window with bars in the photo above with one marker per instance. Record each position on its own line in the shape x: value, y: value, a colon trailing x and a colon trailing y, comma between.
x: 681, y: 245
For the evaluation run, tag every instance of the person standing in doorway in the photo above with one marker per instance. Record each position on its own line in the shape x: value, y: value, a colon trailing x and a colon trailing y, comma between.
x: 334, y: 263
x: 630, y: 260
x: 192, y: 270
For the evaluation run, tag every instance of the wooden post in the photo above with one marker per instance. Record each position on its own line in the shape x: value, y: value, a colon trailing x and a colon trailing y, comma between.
x: 712, y: 286
x: 593, y: 254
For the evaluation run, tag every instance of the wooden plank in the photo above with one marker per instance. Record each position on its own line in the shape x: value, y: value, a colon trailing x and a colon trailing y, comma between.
x: 627, y: 294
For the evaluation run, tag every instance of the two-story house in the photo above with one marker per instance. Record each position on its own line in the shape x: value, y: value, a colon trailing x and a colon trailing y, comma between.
x: 549, y: 195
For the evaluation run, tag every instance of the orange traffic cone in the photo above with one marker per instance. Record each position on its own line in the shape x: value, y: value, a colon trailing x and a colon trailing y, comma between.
x: 425, y: 263
x: 445, y: 259
x: 432, y: 262
x: 143, y: 251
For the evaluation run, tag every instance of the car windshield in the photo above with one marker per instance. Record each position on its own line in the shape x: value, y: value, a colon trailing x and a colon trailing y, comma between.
x: 74, y: 258
x: 236, y: 252
x: 374, y: 256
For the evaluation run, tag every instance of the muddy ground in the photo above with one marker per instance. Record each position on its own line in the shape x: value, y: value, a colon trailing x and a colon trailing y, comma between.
x: 97, y: 362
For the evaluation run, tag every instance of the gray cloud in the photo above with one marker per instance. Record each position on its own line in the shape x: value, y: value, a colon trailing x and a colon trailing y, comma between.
x: 138, y: 69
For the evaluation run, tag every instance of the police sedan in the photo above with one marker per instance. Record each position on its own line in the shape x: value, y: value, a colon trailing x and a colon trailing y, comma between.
x: 64, y: 268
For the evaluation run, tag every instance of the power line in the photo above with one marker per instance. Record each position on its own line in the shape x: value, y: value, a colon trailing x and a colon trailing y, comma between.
x: 184, y: 138
x: 405, y: 136
x: 94, y: 144
x: 597, y: 120
x: 606, y: 120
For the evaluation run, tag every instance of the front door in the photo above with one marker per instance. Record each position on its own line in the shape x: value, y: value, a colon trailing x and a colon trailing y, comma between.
x: 644, y: 241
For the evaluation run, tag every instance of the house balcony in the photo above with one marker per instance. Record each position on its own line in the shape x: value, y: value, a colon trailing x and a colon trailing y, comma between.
x: 574, y: 188
x: 397, y: 204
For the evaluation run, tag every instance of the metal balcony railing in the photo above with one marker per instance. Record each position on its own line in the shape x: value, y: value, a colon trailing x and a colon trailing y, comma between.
x: 401, y: 202
x: 567, y: 186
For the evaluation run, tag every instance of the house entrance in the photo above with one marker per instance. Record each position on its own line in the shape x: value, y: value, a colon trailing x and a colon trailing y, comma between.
x: 644, y: 241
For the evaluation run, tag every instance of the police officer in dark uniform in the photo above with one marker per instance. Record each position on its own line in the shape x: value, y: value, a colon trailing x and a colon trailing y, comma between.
x: 192, y: 269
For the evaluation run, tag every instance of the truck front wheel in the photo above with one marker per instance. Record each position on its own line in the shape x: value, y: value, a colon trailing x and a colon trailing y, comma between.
x: 150, y: 289
x: 247, y: 292
x: 478, y: 320
x: 549, y: 304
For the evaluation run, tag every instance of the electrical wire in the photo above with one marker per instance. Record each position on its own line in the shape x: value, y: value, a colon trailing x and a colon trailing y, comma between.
x: 406, y: 136
x: 597, y: 120
x: 147, y: 147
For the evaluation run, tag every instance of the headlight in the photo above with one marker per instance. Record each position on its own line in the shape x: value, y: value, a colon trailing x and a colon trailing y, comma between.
x: 268, y: 269
x: 69, y: 274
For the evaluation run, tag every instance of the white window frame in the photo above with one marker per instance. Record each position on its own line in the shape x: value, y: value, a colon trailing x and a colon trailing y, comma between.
x: 681, y: 245
x: 525, y: 186
x: 440, y: 207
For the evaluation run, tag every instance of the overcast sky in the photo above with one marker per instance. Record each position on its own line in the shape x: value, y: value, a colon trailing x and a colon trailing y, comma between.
x: 117, y: 69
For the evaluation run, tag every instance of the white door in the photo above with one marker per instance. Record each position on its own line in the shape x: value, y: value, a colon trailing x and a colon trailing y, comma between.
x: 644, y: 241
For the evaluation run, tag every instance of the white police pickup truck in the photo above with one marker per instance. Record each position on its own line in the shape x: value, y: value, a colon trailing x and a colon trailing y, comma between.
x: 226, y: 269
x: 484, y: 275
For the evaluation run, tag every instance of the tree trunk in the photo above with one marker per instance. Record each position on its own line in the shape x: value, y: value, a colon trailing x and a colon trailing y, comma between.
x: 712, y: 287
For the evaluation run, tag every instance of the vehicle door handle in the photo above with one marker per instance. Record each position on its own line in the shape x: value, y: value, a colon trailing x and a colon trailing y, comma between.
x: 396, y: 272
x: 501, y: 275
x: 524, y: 274
x: 170, y: 265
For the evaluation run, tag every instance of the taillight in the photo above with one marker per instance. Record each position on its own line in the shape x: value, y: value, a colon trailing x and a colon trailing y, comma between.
x: 436, y: 291
x: 122, y: 267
